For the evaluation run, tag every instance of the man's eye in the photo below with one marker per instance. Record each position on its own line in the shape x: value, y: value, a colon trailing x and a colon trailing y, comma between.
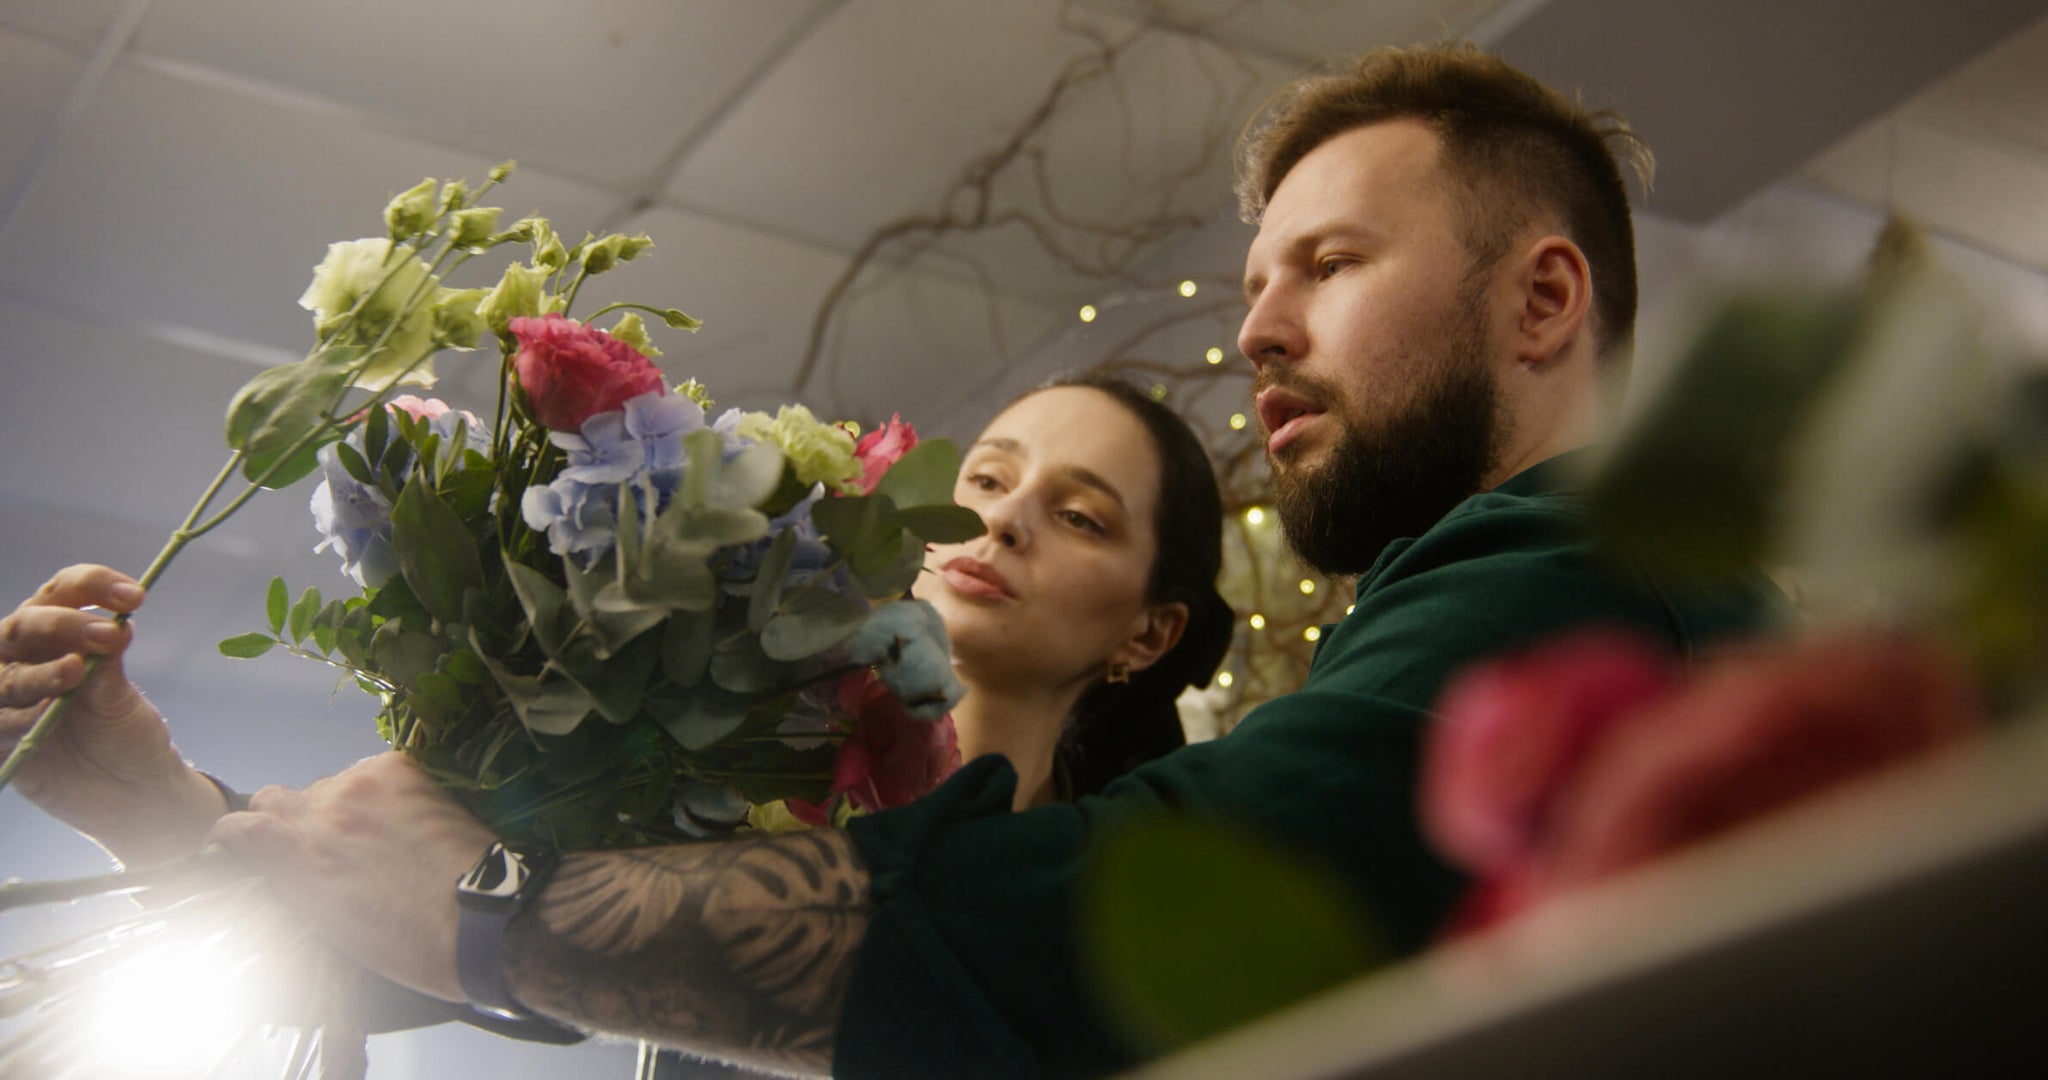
x: 1329, y: 267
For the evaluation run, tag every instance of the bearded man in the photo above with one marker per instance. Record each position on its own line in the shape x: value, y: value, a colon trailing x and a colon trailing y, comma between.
x: 1442, y: 280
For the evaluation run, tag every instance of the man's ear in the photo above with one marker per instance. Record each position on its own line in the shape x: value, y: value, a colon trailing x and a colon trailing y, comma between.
x: 1163, y: 626
x: 1554, y: 290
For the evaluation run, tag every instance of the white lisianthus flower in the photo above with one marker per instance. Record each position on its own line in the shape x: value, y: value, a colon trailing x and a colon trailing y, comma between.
x: 820, y: 452
x: 350, y: 270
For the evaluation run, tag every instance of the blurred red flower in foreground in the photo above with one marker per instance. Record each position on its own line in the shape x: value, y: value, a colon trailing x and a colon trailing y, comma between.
x: 1588, y: 756
x: 879, y: 449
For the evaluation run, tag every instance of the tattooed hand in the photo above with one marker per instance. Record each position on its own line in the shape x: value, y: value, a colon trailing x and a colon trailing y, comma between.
x: 739, y: 949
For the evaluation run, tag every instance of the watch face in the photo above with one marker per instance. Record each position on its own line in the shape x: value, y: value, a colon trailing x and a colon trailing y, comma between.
x: 501, y: 873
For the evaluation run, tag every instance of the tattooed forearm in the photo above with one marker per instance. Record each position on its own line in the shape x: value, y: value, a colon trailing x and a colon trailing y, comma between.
x: 740, y: 949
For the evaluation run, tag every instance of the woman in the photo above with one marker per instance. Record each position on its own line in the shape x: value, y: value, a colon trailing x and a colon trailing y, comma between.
x: 1076, y: 620
x: 1090, y: 602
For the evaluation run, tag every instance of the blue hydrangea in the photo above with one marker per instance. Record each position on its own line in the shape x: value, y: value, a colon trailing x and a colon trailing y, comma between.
x: 580, y: 519
x: 354, y: 519
x: 640, y: 444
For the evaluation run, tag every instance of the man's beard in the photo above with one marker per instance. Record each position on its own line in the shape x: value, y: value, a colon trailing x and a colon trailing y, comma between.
x: 1394, y: 476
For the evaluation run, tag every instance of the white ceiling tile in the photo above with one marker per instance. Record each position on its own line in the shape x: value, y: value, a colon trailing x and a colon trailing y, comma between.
x: 2000, y: 93
x: 899, y: 341
x: 600, y: 90
x: 192, y: 204
x: 77, y: 22
x: 1973, y: 188
x: 874, y: 114
x: 34, y: 77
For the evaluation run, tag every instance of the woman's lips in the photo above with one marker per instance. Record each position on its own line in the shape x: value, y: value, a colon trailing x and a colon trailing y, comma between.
x: 972, y: 577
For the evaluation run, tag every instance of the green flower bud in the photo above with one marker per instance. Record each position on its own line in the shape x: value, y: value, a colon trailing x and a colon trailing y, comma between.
x: 503, y: 170
x: 412, y: 211
x: 633, y: 332
x: 630, y: 247
x: 550, y: 252
x: 694, y: 390
x: 452, y: 195
x: 681, y: 321
x: 517, y: 293
x: 457, y: 321
x: 474, y: 228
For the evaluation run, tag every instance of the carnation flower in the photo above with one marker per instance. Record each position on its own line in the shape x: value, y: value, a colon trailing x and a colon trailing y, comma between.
x: 571, y: 372
x: 889, y: 757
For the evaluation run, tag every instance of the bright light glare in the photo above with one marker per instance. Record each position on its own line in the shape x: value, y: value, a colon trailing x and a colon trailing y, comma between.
x: 1313, y: 633
x: 1258, y: 621
x: 173, y: 1010
x: 1308, y: 587
x: 1224, y: 680
x: 1087, y: 312
x: 1237, y: 421
x: 1254, y: 516
x: 1214, y: 355
x: 1187, y: 288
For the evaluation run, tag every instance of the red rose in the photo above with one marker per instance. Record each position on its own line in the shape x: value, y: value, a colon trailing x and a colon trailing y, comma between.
x: 890, y: 757
x: 571, y: 372
x: 1511, y: 733
x: 879, y: 449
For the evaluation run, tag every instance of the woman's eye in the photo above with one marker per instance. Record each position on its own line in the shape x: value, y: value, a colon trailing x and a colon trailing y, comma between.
x: 982, y: 481
x: 1082, y: 521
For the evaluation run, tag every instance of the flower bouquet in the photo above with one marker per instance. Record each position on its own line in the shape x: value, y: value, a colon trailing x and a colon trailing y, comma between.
x: 600, y: 616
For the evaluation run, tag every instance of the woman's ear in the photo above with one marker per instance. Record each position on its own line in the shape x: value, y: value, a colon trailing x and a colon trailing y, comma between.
x: 1556, y: 299
x: 1161, y: 631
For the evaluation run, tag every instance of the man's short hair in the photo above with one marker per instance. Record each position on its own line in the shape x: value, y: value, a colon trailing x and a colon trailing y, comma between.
x: 1519, y: 149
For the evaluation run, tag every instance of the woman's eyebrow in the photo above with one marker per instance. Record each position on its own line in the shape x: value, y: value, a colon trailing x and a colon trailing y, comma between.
x: 1080, y: 474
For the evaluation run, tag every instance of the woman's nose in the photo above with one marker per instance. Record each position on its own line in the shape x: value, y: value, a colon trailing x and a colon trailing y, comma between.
x: 1005, y: 521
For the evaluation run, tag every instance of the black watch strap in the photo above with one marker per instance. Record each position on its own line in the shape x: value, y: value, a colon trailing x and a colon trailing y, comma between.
x: 495, y: 890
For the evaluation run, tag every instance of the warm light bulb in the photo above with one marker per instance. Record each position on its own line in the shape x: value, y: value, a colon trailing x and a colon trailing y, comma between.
x: 1187, y: 288
x: 1214, y: 355
x: 1158, y: 391
x: 1308, y: 588
x: 1312, y: 633
x: 1224, y: 680
x: 1258, y: 621
x: 1237, y: 421
x: 1254, y: 516
x: 1087, y: 312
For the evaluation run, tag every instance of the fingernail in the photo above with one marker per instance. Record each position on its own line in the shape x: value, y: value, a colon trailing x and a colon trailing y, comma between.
x: 103, y: 633
x: 126, y: 593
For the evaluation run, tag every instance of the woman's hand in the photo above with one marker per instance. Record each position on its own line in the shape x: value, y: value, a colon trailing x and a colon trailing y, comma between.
x: 108, y: 769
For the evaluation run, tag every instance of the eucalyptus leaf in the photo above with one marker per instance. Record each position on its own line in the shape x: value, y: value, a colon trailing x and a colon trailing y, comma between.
x: 436, y: 553
x: 1192, y: 927
x: 248, y: 646
x: 811, y: 622
x: 743, y: 668
x: 924, y: 476
x: 543, y: 601
x: 352, y: 463
x: 941, y: 524
x: 701, y: 718
x: 745, y: 482
x: 401, y: 656
x: 890, y: 578
x: 557, y: 707
x: 686, y: 641
x: 768, y: 579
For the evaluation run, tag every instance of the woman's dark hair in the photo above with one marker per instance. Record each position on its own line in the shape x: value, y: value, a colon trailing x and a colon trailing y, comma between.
x: 1115, y: 727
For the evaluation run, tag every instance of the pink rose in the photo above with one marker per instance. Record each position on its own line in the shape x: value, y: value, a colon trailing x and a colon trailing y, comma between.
x: 1590, y: 791
x: 1510, y: 735
x: 571, y: 372
x: 879, y: 449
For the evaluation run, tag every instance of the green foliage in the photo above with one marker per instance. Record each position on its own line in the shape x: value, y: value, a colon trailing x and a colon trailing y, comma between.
x: 1189, y: 928
x: 279, y: 419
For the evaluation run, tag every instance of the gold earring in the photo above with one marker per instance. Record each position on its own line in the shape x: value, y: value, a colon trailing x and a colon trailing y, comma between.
x: 1119, y: 672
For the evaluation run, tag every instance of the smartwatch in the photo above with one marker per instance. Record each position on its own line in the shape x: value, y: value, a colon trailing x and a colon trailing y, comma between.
x: 498, y: 887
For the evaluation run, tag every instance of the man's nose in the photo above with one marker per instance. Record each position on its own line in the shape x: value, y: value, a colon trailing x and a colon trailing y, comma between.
x: 1271, y: 332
